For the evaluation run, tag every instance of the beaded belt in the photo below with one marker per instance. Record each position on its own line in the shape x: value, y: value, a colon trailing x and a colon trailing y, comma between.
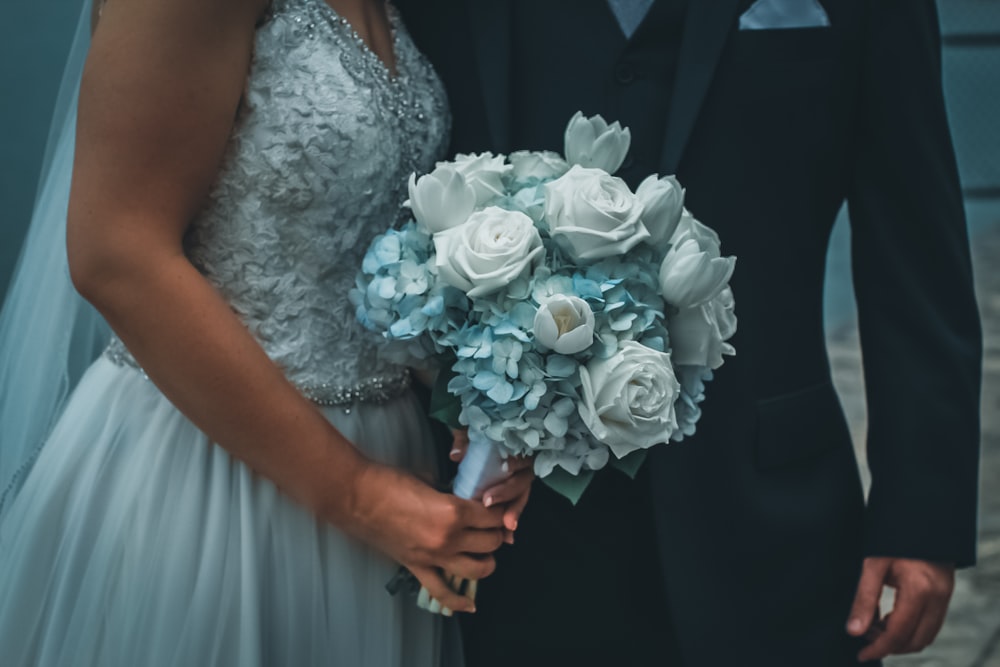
x: 378, y: 389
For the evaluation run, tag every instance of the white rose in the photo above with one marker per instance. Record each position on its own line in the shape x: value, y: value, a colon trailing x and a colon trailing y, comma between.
x: 662, y: 205
x: 591, y: 142
x: 537, y: 165
x: 693, y: 272
x: 628, y: 400
x: 565, y: 324
x: 484, y: 172
x: 493, y: 248
x: 698, y: 334
x: 595, y: 215
x: 441, y: 199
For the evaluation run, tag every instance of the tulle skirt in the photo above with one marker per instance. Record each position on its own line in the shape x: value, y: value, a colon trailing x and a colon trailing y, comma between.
x: 136, y: 541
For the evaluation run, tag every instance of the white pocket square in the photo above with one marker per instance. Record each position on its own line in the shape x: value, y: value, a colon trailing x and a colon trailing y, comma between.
x: 777, y: 14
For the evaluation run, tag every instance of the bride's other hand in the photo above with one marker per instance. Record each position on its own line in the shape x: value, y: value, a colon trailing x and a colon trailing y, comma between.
x: 512, y: 493
x: 425, y: 530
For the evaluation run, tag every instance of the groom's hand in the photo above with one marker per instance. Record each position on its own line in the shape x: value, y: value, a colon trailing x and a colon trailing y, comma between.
x: 923, y: 590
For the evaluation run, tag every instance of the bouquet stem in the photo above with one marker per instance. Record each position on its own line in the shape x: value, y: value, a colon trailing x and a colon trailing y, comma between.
x: 482, y: 468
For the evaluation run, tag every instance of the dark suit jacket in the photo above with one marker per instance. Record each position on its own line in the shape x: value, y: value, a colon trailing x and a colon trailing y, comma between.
x: 760, y: 517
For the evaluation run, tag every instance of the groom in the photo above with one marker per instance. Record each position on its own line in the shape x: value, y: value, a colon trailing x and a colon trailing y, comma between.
x: 751, y: 543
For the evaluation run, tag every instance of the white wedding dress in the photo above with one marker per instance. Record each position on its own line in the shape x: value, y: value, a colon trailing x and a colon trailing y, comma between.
x: 134, y: 539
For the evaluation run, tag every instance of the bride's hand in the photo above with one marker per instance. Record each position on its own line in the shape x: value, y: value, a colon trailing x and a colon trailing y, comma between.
x: 512, y: 493
x: 425, y: 530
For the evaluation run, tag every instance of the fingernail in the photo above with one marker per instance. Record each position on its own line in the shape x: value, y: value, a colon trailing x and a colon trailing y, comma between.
x: 855, y: 626
x: 434, y: 607
x: 505, y: 467
x: 488, y: 501
x: 454, y: 454
x: 446, y: 612
x: 514, y: 525
x: 423, y: 598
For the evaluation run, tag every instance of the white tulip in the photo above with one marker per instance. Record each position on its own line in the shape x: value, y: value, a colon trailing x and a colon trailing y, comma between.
x: 591, y: 142
x: 689, y: 228
x: 698, y: 334
x: 485, y: 172
x: 565, y: 324
x: 662, y: 205
x: 441, y: 199
x: 692, y: 274
x: 537, y: 165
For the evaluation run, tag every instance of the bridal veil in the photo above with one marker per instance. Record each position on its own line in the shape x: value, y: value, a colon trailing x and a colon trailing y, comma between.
x: 48, y: 334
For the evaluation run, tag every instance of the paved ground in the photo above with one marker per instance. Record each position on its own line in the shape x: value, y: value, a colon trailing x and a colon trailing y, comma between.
x: 971, y: 636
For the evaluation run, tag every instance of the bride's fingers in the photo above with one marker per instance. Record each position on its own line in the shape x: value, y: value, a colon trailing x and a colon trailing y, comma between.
x: 479, y: 541
x: 473, y: 514
x: 459, y: 444
x: 438, y: 589
x: 509, y: 489
x: 466, y: 566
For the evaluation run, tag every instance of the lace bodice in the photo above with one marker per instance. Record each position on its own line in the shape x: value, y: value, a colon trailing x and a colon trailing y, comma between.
x: 316, y: 167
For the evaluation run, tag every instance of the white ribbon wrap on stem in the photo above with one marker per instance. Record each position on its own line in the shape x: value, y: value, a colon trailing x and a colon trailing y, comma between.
x: 482, y: 467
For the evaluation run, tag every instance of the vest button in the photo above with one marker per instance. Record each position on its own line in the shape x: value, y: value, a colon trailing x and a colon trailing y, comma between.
x: 624, y: 74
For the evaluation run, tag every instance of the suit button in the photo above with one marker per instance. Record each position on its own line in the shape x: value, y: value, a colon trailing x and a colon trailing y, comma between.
x: 624, y: 74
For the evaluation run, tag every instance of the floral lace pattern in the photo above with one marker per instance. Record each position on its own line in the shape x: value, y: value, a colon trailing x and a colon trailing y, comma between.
x: 315, y: 169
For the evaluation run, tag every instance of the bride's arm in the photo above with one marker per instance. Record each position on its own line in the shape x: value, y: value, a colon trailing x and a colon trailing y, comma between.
x: 159, y: 93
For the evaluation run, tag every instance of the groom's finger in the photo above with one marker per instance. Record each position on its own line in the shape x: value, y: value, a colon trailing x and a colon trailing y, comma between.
x: 930, y: 624
x: 900, y: 626
x: 865, y: 608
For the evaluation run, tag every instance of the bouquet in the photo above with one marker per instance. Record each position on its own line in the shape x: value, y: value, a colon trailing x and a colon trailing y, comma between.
x: 574, y: 321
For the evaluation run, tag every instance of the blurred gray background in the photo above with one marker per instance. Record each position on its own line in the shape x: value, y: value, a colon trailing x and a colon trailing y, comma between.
x: 34, y: 40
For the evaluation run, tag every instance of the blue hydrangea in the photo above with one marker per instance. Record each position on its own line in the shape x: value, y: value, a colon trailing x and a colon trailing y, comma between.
x: 523, y: 397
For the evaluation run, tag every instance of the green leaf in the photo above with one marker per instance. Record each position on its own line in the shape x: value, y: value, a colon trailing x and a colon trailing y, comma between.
x: 569, y: 486
x: 631, y: 463
x: 445, y: 407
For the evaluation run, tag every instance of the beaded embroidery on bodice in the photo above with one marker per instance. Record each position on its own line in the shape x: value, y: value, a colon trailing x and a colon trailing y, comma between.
x: 315, y: 168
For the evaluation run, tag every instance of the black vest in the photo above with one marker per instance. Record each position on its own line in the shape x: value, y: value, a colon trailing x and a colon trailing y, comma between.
x: 625, y: 80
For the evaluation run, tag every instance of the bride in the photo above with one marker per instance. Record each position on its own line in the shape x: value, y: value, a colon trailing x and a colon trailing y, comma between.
x: 236, y: 477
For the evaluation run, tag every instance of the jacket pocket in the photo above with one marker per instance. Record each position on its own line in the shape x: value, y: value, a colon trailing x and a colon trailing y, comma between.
x: 799, y: 425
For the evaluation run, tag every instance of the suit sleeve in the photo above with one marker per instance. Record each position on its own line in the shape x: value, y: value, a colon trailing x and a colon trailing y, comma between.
x: 920, y: 331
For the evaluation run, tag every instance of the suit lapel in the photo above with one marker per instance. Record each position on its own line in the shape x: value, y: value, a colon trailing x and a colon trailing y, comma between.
x: 706, y: 28
x: 491, y: 33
